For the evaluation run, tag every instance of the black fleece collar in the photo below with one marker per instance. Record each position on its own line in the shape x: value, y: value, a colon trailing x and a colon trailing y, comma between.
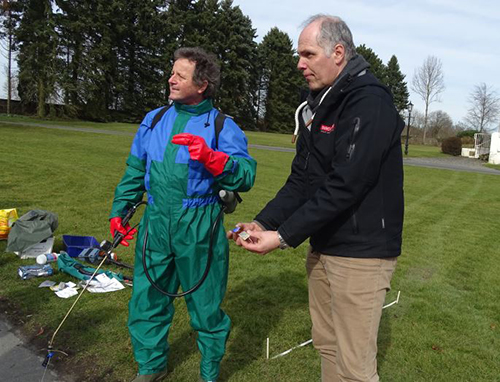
x: 355, y: 66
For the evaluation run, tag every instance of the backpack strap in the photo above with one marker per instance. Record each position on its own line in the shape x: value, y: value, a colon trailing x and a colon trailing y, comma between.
x: 219, y: 122
x: 159, y: 116
x: 219, y: 125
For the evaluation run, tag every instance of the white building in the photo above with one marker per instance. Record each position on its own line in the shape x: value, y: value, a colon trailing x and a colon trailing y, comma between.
x: 495, y: 149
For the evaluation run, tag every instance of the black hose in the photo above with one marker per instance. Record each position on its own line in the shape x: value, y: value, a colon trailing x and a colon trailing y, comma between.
x: 207, y: 268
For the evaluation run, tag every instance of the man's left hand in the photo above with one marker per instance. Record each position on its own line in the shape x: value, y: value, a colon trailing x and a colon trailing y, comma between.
x: 261, y: 242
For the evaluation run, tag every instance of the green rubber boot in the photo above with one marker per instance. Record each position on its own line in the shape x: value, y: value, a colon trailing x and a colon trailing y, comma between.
x: 151, y: 377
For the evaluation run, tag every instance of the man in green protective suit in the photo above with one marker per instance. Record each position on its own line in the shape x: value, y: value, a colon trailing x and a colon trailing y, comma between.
x: 181, y: 163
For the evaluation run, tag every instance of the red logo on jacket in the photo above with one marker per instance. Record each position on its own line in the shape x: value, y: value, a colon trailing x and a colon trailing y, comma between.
x: 327, y: 129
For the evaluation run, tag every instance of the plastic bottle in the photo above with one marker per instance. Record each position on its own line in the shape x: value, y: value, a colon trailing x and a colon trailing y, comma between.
x: 47, y: 258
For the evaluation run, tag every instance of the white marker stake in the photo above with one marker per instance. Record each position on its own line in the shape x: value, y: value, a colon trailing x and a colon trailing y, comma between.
x: 310, y: 341
x: 392, y: 303
x: 267, y: 349
x: 289, y: 350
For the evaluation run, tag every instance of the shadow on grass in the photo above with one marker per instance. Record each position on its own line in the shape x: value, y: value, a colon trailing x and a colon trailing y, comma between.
x: 181, y: 348
x: 256, y: 307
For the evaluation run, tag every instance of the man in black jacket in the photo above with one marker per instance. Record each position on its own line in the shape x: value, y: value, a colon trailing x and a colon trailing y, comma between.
x: 345, y: 193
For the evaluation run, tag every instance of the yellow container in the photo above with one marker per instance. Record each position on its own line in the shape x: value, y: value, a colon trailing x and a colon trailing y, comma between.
x: 7, y: 218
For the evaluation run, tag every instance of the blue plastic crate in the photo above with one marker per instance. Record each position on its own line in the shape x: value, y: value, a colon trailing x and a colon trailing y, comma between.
x: 75, y: 244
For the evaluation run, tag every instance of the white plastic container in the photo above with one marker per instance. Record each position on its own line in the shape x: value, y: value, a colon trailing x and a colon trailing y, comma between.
x: 47, y: 258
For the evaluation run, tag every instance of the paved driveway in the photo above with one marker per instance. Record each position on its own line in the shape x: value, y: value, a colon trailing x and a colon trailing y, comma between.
x: 452, y: 163
x: 20, y: 361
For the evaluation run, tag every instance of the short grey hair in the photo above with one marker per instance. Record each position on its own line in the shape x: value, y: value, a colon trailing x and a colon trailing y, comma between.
x: 333, y: 30
x: 206, y: 68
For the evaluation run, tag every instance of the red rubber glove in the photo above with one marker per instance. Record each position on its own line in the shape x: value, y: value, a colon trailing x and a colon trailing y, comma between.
x: 214, y: 161
x: 115, y: 224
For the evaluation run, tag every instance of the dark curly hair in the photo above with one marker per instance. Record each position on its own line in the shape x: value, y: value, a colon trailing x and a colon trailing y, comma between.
x: 206, y: 68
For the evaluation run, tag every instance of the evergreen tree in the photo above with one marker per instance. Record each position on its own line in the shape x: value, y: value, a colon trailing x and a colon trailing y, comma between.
x: 397, y: 84
x: 73, y: 22
x: 9, y: 21
x: 280, y: 81
x: 222, y: 29
x: 377, y: 67
x: 236, y: 50
x: 89, y: 74
x: 105, y: 66
x: 142, y: 57
x: 113, y: 64
x: 101, y: 75
x: 37, y: 60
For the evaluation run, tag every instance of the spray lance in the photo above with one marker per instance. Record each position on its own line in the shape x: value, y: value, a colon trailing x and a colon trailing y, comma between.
x: 229, y: 201
x: 106, y: 248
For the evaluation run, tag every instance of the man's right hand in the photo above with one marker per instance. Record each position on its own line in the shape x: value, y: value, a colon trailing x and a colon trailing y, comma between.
x: 246, y: 227
x: 115, y: 224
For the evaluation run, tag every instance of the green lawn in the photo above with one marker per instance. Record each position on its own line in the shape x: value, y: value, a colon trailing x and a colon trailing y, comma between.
x: 423, y: 151
x: 114, y: 126
x: 446, y: 326
x: 493, y: 166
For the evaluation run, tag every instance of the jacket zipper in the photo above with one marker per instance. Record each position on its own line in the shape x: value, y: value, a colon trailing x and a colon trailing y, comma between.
x: 355, y: 227
x: 352, y: 139
x: 350, y: 151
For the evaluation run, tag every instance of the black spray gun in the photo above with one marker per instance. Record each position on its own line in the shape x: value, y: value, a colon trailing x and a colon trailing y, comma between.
x: 230, y: 200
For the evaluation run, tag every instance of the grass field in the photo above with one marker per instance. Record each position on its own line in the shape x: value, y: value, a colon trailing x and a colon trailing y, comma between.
x: 494, y: 166
x: 446, y: 326
x: 256, y: 138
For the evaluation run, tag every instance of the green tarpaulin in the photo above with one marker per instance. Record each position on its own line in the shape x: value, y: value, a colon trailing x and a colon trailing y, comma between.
x: 30, y: 229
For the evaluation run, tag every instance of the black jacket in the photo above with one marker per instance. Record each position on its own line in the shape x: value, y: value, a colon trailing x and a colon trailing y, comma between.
x: 345, y: 190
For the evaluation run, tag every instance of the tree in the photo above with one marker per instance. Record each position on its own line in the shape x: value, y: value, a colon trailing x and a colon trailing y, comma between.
x: 237, y: 52
x: 485, y: 108
x: 102, y: 66
x: 37, y: 58
x: 428, y: 83
x: 74, y: 23
x: 221, y: 28
x: 397, y: 84
x: 9, y: 16
x: 440, y: 125
x: 280, y: 81
x: 377, y: 67
x: 142, y: 57
x: 113, y: 67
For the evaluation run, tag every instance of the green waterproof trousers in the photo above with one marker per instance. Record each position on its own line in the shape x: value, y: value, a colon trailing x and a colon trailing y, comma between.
x: 151, y: 312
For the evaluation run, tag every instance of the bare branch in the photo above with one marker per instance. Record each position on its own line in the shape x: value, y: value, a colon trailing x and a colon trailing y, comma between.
x: 428, y: 83
x: 485, y: 107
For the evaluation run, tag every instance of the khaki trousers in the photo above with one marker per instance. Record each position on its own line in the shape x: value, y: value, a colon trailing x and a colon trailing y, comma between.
x: 346, y: 296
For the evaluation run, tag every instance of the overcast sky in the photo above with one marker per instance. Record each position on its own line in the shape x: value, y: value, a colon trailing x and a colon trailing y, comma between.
x: 464, y: 35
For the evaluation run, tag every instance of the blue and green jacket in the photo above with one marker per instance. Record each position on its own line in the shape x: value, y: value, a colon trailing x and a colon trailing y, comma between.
x: 165, y: 170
